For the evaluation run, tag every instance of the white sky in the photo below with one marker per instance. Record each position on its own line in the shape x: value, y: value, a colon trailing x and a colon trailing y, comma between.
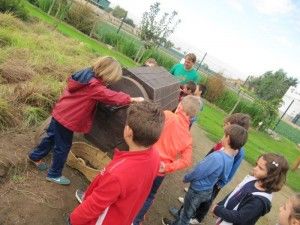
x: 241, y: 37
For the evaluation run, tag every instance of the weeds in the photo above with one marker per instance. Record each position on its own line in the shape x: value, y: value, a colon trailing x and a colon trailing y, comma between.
x: 34, y: 115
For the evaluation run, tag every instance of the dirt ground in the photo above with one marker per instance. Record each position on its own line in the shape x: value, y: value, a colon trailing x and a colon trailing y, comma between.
x: 26, y: 198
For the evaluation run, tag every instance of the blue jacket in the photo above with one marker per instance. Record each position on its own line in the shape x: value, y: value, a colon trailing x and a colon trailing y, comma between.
x: 212, y: 168
x: 236, y: 164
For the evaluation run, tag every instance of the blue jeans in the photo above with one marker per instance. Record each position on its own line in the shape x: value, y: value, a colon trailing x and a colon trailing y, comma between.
x: 192, y: 201
x: 60, y: 139
x: 155, y: 186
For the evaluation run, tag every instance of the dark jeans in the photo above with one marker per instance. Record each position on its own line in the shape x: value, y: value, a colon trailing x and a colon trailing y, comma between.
x: 192, y: 201
x: 60, y: 139
x: 156, y: 184
x: 203, y: 209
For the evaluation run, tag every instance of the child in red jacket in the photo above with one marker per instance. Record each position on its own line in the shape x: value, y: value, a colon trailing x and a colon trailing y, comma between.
x: 119, y: 191
x: 74, y: 113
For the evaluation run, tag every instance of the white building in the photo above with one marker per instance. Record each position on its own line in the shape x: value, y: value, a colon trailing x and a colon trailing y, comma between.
x: 292, y: 94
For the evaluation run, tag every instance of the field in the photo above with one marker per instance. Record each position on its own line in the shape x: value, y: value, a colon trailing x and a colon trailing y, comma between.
x: 288, y: 131
x: 211, y: 120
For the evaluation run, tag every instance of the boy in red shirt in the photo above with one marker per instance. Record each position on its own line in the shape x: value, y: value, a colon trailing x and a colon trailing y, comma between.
x: 119, y: 191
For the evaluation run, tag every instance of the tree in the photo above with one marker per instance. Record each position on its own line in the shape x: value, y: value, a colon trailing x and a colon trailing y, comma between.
x: 119, y: 12
x: 129, y: 22
x: 155, y: 31
x: 272, y: 86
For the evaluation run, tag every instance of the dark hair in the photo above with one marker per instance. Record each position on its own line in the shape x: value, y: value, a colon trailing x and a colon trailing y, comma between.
x: 191, y: 86
x: 237, y: 136
x: 277, y: 167
x: 146, y: 121
x: 203, y: 89
x: 191, y: 56
x: 295, y: 207
x: 239, y: 119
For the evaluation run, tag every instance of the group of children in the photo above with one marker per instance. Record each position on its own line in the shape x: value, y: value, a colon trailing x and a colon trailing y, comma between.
x: 159, y: 143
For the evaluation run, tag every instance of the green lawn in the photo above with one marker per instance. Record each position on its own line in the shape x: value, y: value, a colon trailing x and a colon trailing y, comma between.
x: 72, y: 32
x: 288, y: 131
x: 211, y: 120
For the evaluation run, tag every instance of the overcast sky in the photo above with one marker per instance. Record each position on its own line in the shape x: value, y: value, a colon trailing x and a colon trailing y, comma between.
x: 241, y: 37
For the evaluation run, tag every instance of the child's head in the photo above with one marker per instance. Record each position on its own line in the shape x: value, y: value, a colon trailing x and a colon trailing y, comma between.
x: 239, y: 119
x: 235, y: 136
x: 289, y: 213
x: 150, y: 62
x: 190, y: 88
x: 108, y: 69
x: 143, y: 124
x: 200, y: 90
x: 271, y: 171
x: 190, y: 105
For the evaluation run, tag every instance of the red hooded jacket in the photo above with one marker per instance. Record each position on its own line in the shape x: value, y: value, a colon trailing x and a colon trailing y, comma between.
x: 75, y: 109
x: 117, y: 194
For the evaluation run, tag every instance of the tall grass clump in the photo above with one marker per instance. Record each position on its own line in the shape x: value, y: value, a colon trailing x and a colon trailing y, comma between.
x: 162, y: 58
x: 14, y: 6
x: 7, y: 116
x: 34, y: 115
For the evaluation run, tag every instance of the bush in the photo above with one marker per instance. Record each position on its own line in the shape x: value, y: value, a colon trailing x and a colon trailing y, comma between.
x: 215, y: 88
x: 14, y: 6
x: 82, y: 17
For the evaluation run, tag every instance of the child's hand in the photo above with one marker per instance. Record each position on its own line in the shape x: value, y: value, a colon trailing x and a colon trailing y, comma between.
x: 162, y: 167
x: 212, y: 209
x: 137, y: 99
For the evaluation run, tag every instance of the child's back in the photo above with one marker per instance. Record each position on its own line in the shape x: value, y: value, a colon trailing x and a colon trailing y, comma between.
x: 119, y: 191
x: 129, y: 177
x: 212, y: 168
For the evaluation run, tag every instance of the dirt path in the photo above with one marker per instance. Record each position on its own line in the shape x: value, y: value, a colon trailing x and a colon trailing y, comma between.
x: 26, y: 198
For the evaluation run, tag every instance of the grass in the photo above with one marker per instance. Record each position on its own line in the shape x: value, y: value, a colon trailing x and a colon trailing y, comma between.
x: 72, y: 32
x: 288, y: 131
x: 211, y: 120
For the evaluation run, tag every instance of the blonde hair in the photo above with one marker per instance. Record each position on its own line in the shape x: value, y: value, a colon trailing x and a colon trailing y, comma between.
x: 191, y: 105
x: 191, y: 56
x: 108, y: 69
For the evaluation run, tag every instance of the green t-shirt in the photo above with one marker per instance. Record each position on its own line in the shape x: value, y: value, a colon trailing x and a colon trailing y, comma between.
x: 184, y: 75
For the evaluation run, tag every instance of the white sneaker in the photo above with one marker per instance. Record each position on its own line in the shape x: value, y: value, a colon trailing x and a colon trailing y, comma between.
x: 181, y: 199
x: 194, y: 221
x: 186, y: 189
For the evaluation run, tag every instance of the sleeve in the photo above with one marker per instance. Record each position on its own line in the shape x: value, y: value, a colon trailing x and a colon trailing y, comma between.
x: 251, y: 211
x: 172, y: 71
x: 203, y: 169
x: 104, y: 195
x: 107, y: 96
x: 182, y: 162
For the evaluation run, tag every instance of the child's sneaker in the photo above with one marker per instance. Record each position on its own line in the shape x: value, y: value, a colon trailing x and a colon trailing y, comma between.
x: 39, y: 164
x: 59, y: 180
x: 181, y: 199
x: 186, y: 189
x: 194, y: 221
x: 79, y: 194
x: 166, y: 221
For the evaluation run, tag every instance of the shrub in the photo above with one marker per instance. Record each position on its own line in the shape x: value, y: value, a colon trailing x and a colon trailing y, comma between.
x: 162, y: 58
x: 215, y: 88
x: 14, y: 6
x: 82, y: 17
